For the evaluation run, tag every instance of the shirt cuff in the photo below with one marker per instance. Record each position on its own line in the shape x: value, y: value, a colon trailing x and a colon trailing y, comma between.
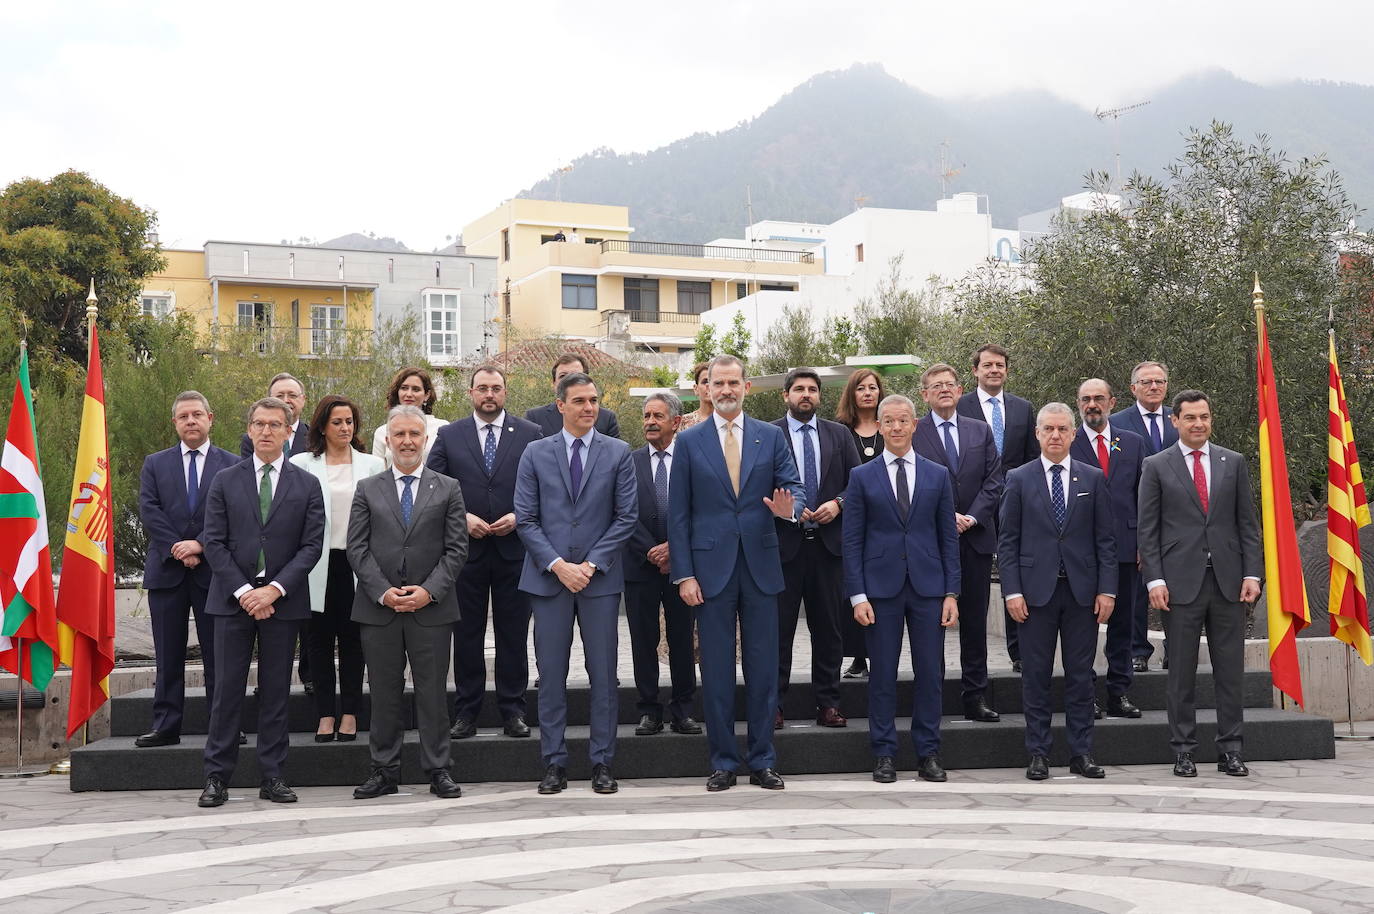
x: 1250, y: 577
x: 1010, y: 596
x: 1151, y: 585
x: 690, y: 577
x: 857, y: 599
x: 549, y: 567
x: 280, y: 589
x: 242, y: 590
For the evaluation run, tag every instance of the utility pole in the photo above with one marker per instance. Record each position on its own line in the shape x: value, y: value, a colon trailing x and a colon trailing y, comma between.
x: 558, y: 174
x: 946, y: 172
x: 1115, y: 115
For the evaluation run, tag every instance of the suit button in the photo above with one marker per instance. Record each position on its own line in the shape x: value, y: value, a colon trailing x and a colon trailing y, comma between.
x: 575, y: 523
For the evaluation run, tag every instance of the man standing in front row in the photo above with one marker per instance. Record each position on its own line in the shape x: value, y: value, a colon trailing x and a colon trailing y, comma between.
x: 731, y: 477
x: 264, y: 531
x: 407, y: 541
x: 1057, y: 556
x: 575, y: 508
x: 1201, y: 558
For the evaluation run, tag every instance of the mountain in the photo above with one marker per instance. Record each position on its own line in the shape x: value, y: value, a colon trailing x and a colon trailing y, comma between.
x: 861, y: 132
x: 357, y: 241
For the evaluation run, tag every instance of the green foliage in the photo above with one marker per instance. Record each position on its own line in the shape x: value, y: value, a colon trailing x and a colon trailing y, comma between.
x: 897, y: 319
x: 737, y: 339
x: 662, y: 376
x: 705, y: 347
x: 788, y: 342
x: 842, y: 336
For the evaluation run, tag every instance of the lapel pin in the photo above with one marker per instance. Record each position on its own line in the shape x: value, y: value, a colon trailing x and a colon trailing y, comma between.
x: 511, y: 429
x: 1223, y: 458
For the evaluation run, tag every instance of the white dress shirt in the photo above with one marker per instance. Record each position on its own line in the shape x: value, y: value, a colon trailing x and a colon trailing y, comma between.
x: 272, y: 478
x: 985, y: 400
x: 396, y: 475
x: 200, y: 462
x: 1045, y: 468
x: 738, y: 421
x: 953, y: 421
x: 667, y: 461
x: 794, y: 428
x: 1145, y: 415
x: 484, y: 428
x: 891, y: 460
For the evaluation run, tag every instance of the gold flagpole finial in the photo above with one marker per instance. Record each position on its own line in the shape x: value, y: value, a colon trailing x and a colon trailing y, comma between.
x: 1257, y: 296
x: 91, y: 309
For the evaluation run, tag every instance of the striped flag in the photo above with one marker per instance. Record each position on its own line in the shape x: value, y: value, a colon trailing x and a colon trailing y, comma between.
x: 85, y: 597
x: 1346, y: 512
x: 1287, y: 596
x: 26, y: 600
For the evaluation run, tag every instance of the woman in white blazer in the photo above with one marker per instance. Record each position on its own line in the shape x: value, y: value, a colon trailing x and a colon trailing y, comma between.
x: 409, y: 387
x: 337, y: 458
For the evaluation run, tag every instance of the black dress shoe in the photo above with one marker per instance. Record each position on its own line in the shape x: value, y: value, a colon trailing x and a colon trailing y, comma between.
x: 602, y: 779
x: 857, y: 670
x: 156, y: 738
x: 1016, y: 666
x: 720, y: 780
x: 325, y: 737
x: 516, y: 727
x: 1122, y: 706
x: 1184, y: 766
x: 978, y: 710
x: 376, y: 785
x: 830, y: 717
x: 243, y: 738
x: 443, y: 786
x: 648, y: 726
x: 1097, y: 711
x: 214, y: 794
x: 686, y: 725
x: 767, y: 778
x: 1164, y: 664
x: 1140, y: 664
x: 275, y: 789
x: 928, y: 768
x: 884, y: 772
x: 555, y: 780
x: 1038, y: 769
x: 1084, y: 766
x: 462, y: 728
x: 309, y: 687
x: 777, y: 720
x: 1231, y: 763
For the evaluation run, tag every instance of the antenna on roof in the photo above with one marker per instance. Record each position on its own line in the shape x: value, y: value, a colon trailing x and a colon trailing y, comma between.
x: 1115, y: 115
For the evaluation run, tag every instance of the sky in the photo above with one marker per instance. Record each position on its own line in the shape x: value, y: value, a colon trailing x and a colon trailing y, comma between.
x: 264, y: 121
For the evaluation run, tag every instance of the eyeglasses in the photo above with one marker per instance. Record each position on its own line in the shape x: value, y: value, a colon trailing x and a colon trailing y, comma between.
x: 1152, y: 382
x: 486, y: 389
x: 258, y: 425
x: 1099, y: 398
x: 942, y: 385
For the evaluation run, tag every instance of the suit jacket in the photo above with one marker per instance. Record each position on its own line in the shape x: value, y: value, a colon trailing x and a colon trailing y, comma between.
x: 1030, y: 547
x: 1019, y: 444
x: 300, y: 444
x: 594, y: 527
x: 978, y: 484
x: 648, y: 526
x: 1131, y: 420
x: 1127, y: 452
x: 385, y: 552
x: 364, y: 465
x: 550, y: 420
x: 291, y: 540
x: 708, y: 524
x: 839, y: 456
x: 883, y: 550
x: 457, y: 452
x: 163, y: 512
x: 1176, y: 536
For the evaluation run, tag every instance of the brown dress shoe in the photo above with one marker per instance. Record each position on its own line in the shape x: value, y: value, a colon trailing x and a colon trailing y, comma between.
x: 831, y: 717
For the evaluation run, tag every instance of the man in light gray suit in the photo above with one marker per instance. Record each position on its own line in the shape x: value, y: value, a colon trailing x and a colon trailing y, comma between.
x: 407, y: 541
x: 1201, y: 559
x: 575, y: 508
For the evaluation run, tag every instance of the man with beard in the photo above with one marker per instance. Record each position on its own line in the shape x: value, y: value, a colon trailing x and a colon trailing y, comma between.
x: 482, y: 452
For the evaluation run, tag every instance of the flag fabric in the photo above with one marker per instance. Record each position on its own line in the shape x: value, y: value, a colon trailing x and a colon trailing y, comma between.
x: 1287, y: 595
x: 85, y: 597
x: 27, y: 610
x: 1347, y: 511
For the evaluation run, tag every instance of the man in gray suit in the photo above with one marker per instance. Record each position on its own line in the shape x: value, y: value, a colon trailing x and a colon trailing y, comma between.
x: 575, y: 508
x: 407, y: 541
x: 1201, y: 559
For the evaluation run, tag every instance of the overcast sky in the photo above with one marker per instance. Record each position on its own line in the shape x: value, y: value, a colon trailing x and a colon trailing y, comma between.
x: 258, y: 121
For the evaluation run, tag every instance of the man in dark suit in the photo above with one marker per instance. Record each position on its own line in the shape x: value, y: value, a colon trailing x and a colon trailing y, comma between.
x: 1057, y: 557
x: 964, y: 447
x: 1201, y: 558
x: 1149, y: 418
x: 731, y: 477
x: 171, y: 505
x: 575, y: 507
x: 1118, y: 454
x: 264, y: 531
x: 407, y: 539
x: 482, y: 452
x: 647, y: 583
x: 812, y: 570
x: 550, y: 420
x: 901, y: 569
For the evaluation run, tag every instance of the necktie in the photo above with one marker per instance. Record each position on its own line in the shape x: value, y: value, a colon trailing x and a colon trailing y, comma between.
x: 1200, y: 479
x: 810, y: 478
x: 407, y: 500
x: 903, y: 490
x: 951, y: 452
x: 1102, y: 453
x: 575, y: 467
x: 1057, y: 495
x: 731, y: 449
x: 264, y: 507
x: 489, y: 448
x: 1155, y: 437
x: 661, y: 493
x: 999, y: 427
x: 192, y: 482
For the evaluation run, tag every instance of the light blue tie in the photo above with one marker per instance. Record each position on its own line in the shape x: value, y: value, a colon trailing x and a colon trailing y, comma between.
x: 407, y: 500
x: 999, y: 427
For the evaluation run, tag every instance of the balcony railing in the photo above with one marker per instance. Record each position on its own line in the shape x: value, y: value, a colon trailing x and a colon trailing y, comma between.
x: 671, y: 249
x: 653, y: 317
x: 335, y: 342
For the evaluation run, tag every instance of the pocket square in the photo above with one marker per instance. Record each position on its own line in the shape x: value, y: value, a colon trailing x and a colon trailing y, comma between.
x: 1082, y: 494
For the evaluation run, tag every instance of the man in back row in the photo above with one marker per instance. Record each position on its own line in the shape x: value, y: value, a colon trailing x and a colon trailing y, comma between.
x: 550, y: 420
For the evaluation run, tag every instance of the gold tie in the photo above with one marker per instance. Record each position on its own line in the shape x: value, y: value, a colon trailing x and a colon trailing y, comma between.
x: 732, y: 456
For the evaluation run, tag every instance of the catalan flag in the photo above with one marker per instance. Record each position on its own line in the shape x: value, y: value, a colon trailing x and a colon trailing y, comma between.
x: 1346, y: 512
x: 1287, y: 596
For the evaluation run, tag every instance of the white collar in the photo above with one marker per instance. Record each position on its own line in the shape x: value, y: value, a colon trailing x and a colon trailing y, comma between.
x: 1046, y: 463
x: 1187, y: 451
x: 1146, y: 413
x: 892, y: 457
x: 669, y: 449
x: 721, y: 421
x: 499, y: 421
x: 984, y: 396
x: 199, y: 450
x: 396, y: 473
x: 276, y: 464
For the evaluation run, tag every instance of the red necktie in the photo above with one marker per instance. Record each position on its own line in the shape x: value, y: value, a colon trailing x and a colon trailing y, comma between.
x: 1102, y: 453
x: 1200, y: 479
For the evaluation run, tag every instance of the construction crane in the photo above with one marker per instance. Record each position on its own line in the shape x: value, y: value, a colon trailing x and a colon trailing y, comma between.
x: 1115, y: 115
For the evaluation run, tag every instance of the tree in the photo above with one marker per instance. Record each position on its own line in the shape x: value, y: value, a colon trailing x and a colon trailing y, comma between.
x: 705, y: 347
x: 737, y: 339
x: 790, y: 341
x: 842, y: 337
x: 897, y: 320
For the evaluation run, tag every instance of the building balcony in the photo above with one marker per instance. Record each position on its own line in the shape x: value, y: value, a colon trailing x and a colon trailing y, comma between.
x: 653, y: 317
x: 308, y: 342
x: 712, y: 252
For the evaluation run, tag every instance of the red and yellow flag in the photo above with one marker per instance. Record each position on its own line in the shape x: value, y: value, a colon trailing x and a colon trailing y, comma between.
x: 1346, y: 512
x: 85, y: 596
x: 1287, y: 595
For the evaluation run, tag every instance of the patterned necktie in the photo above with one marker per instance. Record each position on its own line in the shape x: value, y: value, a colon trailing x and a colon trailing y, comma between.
x: 407, y: 500
x: 661, y: 494
x: 575, y: 467
x: 1155, y: 438
x: 1102, y: 457
x: 1057, y: 495
x: 999, y: 427
x: 489, y: 449
x: 810, y: 478
x: 903, y: 490
x: 264, y: 507
x: 951, y: 452
x: 192, y: 483
x: 1200, y: 479
x: 731, y: 449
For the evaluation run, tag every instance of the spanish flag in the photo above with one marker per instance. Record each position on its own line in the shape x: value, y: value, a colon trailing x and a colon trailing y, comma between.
x: 1346, y: 512
x: 1287, y: 595
x: 85, y: 596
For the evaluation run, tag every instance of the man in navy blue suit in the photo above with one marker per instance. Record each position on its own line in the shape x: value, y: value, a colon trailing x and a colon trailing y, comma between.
x: 171, y: 505
x: 901, y: 570
x: 264, y: 531
x: 482, y: 452
x: 1118, y: 454
x: 550, y: 420
x: 964, y: 446
x: 731, y: 477
x: 1056, y: 552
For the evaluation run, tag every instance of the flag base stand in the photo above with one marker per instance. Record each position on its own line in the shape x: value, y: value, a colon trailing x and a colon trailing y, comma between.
x: 61, y: 767
x: 21, y: 773
x: 1350, y: 707
x: 1355, y: 736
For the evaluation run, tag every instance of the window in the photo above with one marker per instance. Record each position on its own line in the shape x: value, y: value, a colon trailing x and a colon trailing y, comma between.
x: 505, y: 244
x: 693, y: 297
x: 256, y: 316
x: 341, y: 266
x: 157, y: 304
x: 777, y: 287
x: 859, y: 253
x: 441, y: 325
x: 579, y: 292
x: 291, y: 265
x: 593, y: 240
x: 326, y: 329
x: 741, y: 290
x: 641, y: 299
x: 436, y: 271
x: 391, y: 269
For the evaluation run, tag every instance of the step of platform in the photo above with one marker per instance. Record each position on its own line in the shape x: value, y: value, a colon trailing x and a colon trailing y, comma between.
x: 802, y: 748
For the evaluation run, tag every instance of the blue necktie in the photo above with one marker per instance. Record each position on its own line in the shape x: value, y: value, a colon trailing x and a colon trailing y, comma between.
x: 999, y: 427
x: 661, y: 493
x: 575, y: 467
x: 489, y: 449
x: 1057, y: 495
x: 1155, y: 436
x: 810, y: 478
x: 951, y: 452
x: 192, y: 483
x: 407, y: 500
